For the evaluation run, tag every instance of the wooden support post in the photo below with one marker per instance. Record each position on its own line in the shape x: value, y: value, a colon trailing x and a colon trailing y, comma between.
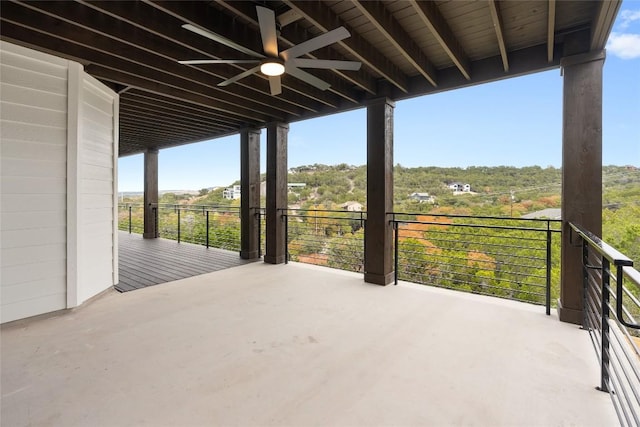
x: 581, y: 171
x: 378, y: 233
x: 150, y: 192
x: 250, y: 193
x: 276, y: 192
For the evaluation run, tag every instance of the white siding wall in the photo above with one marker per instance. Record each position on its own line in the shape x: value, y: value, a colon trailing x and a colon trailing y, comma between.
x: 37, y: 103
x: 97, y: 225
x: 33, y: 157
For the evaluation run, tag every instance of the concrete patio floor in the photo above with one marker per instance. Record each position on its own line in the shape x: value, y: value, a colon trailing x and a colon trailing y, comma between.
x: 299, y: 345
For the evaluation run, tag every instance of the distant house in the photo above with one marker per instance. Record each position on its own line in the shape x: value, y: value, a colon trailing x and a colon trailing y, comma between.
x: 295, y: 185
x: 231, y: 193
x: 352, y: 206
x: 422, y: 197
x: 460, y: 187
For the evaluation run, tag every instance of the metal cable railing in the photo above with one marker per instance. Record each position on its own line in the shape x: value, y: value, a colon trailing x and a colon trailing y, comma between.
x: 503, y: 257
x: 611, y: 287
x: 329, y: 238
x: 262, y: 227
x: 207, y: 225
x: 131, y: 217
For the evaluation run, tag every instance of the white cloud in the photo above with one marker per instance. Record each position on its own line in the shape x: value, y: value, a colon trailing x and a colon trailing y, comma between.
x: 625, y: 46
x: 627, y: 17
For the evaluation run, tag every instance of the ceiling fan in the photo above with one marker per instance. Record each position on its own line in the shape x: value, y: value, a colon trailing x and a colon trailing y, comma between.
x: 273, y: 63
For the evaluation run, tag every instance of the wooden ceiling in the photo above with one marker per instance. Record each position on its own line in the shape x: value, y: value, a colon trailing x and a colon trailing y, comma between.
x: 407, y: 48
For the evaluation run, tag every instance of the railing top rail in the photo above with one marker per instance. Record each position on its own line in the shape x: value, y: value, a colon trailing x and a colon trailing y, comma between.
x: 350, y: 218
x: 325, y: 210
x: 609, y: 252
x: 503, y: 218
x: 495, y: 227
x: 632, y: 274
x: 184, y: 206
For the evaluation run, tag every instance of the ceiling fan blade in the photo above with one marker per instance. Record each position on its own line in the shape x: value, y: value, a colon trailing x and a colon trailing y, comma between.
x: 219, y: 61
x: 223, y: 40
x: 306, y: 77
x: 275, y: 85
x: 326, y: 64
x: 239, y: 76
x: 316, y: 43
x: 267, y: 22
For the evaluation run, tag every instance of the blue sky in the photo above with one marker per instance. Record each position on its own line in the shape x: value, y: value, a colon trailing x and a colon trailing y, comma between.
x: 516, y: 122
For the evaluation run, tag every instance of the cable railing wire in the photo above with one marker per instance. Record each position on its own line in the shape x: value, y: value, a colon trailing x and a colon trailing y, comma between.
x: 330, y: 238
x: 207, y: 225
x: 493, y: 256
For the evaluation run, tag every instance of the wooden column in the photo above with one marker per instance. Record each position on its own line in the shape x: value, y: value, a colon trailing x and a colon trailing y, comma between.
x: 378, y: 233
x: 250, y: 193
x: 276, y: 192
x: 150, y: 192
x: 581, y: 170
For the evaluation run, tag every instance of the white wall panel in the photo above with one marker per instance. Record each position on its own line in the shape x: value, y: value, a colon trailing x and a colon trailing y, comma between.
x: 27, y: 203
x: 32, y: 123
x: 33, y: 151
x: 22, y: 220
x: 96, y: 187
x: 58, y: 157
x: 30, y: 255
x: 34, y: 133
x: 23, y: 95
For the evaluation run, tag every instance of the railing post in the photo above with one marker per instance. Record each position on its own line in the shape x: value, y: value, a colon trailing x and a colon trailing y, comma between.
x: 548, y: 284
x: 285, y: 217
x: 585, y: 284
x: 129, y: 219
x: 259, y: 215
x: 155, y: 221
x: 604, y: 320
x: 396, y: 228
x: 178, y: 225
x: 207, y: 226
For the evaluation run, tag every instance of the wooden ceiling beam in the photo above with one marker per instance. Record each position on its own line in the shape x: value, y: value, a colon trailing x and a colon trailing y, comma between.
x: 551, y: 29
x: 320, y: 15
x: 291, y: 35
x: 146, y: 126
x: 180, y: 107
x: 122, y: 40
x: 164, y: 138
x: 496, y: 18
x: 140, y: 77
x: 168, y: 27
x: 136, y: 141
x: 430, y: 15
x: 521, y: 62
x: 149, y: 113
x: 168, y: 92
x: 386, y: 24
x: 151, y: 110
x: 147, y: 132
x: 203, y: 15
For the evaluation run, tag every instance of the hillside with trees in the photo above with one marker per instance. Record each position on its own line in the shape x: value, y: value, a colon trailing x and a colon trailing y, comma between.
x: 503, y: 191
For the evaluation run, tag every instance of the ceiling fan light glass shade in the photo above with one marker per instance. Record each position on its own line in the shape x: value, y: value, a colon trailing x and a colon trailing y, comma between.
x: 272, y: 68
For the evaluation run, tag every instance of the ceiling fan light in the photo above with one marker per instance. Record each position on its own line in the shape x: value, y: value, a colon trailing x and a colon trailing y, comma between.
x: 272, y: 68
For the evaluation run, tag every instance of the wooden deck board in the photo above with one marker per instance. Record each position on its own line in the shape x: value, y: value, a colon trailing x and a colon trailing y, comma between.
x: 148, y: 262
